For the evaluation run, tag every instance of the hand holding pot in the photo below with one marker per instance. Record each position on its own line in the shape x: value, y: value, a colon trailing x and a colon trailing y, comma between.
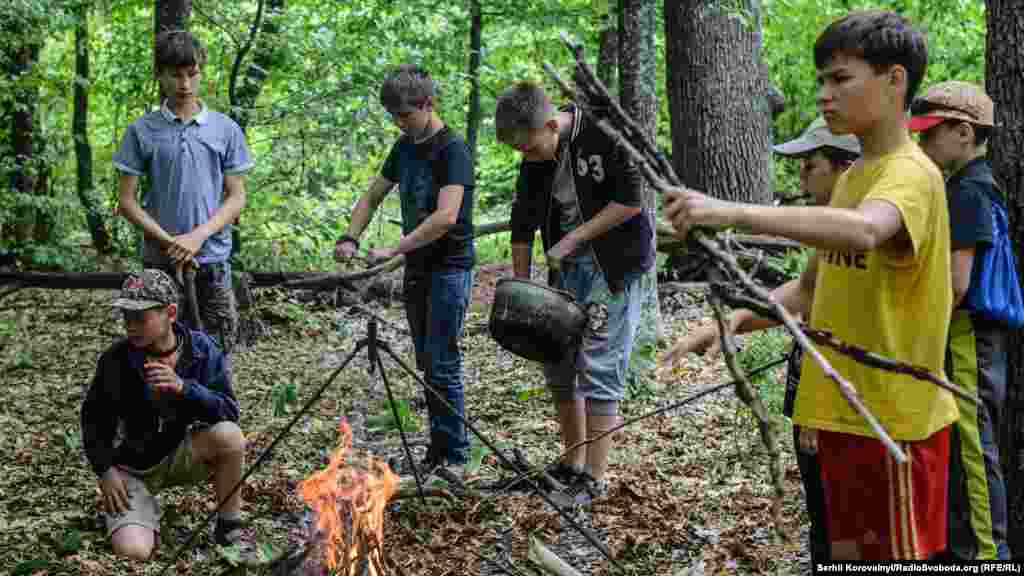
x: 559, y: 252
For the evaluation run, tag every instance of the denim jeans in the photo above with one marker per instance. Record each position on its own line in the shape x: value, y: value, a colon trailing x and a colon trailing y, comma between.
x: 435, y: 306
x: 598, y: 370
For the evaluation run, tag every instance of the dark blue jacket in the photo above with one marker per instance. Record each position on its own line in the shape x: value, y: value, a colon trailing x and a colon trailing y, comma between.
x: 153, y: 427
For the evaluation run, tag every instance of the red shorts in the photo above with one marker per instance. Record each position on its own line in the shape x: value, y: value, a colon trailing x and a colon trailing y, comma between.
x: 878, y: 509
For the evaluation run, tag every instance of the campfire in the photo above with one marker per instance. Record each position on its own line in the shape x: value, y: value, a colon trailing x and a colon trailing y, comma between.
x: 347, y: 503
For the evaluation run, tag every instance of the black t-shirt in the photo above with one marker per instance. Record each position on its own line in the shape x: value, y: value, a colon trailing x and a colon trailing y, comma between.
x: 421, y: 171
x: 970, y: 193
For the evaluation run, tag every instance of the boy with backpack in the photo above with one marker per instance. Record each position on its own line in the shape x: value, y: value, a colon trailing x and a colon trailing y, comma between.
x: 880, y: 281
x: 954, y: 120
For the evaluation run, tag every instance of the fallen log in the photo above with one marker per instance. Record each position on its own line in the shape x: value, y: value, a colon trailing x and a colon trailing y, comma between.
x: 547, y: 560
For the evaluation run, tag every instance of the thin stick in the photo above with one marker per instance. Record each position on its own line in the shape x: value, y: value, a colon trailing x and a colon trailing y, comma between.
x: 745, y: 390
x: 866, y: 357
x: 845, y: 388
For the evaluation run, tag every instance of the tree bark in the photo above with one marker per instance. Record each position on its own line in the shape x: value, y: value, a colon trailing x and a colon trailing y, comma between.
x: 475, y: 46
x: 719, y: 99
x: 638, y: 76
x: 243, y: 92
x: 24, y: 178
x: 171, y: 15
x: 80, y: 133
x: 1004, y: 53
x: 608, y: 50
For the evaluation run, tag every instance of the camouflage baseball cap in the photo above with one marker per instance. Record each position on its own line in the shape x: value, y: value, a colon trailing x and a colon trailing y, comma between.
x: 953, y: 100
x: 151, y: 289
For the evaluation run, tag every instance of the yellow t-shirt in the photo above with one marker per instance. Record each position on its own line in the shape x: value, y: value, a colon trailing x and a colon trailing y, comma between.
x: 896, y: 304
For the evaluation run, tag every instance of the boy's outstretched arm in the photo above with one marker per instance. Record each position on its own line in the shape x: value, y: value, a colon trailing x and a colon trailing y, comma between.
x: 872, y: 224
x: 795, y: 296
x: 449, y: 202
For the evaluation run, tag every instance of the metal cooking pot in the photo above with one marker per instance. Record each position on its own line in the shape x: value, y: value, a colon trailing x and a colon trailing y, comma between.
x: 536, y: 321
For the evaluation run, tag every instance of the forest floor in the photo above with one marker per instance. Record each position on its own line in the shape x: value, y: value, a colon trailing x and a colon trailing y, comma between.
x: 689, y: 493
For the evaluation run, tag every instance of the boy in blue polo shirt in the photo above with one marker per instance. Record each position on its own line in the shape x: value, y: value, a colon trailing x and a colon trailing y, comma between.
x: 195, y: 159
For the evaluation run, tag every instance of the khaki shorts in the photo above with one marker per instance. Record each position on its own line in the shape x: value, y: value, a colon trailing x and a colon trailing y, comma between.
x: 177, y: 469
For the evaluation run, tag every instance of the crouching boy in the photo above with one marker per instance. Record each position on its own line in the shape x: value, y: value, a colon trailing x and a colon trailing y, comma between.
x: 160, y: 412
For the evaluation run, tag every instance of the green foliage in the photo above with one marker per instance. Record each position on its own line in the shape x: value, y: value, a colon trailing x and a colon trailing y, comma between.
x: 759, y: 349
x: 283, y: 396
x: 791, y: 264
x: 384, y: 421
x: 318, y: 133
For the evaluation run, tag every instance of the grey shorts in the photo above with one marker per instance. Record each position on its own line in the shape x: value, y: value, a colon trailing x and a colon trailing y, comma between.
x: 598, y: 370
x: 177, y: 469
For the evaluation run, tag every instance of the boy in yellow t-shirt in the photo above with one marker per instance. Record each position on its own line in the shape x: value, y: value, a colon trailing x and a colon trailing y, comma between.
x: 880, y: 280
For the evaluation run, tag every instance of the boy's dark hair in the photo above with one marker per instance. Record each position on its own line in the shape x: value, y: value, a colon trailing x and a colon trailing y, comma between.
x: 177, y: 48
x: 522, y: 106
x: 882, y: 39
x: 407, y: 87
x: 838, y: 157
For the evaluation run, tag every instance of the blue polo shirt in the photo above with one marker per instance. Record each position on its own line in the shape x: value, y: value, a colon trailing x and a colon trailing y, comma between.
x: 186, y: 163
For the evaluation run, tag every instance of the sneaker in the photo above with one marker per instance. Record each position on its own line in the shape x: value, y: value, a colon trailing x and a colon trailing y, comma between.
x: 229, y: 532
x: 564, y: 473
x: 586, y: 489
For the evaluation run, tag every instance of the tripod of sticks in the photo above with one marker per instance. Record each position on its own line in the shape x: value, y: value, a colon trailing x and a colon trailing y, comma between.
x: 730, y: 282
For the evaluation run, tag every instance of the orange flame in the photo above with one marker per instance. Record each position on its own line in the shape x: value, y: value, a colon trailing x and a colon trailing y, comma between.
x: 339, y: 490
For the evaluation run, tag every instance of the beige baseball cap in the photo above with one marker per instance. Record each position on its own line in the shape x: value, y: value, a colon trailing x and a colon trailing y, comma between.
x: 952, y: 100
x: 817, y: 135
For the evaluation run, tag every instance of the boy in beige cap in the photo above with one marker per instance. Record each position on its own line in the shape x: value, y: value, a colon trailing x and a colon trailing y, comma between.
x: 955, y: 120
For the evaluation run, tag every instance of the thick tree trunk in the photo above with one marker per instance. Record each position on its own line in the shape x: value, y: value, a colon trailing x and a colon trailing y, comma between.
x: 608, y: 49
x: 719, y: 99
x: 1004, y: 82
x: 638, y: 95
x: 80, y: 133
x: 475, y: 45
x: 171, y: 15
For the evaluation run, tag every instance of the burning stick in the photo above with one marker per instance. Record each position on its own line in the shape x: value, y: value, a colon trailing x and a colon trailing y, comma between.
x: 349, y: 507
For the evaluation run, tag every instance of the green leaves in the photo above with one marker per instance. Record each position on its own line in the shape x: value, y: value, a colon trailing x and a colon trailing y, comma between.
x: 384, y: 421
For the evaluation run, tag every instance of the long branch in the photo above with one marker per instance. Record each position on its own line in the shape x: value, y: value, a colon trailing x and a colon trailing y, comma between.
x: 664, y: 182
x: 746, y: 392
x: 864, y: 356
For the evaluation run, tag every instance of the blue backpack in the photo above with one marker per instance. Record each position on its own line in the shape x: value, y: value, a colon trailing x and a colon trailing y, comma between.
x: 998, y: 293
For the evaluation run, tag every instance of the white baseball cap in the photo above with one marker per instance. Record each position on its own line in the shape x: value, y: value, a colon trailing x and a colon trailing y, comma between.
x: 817, y: 135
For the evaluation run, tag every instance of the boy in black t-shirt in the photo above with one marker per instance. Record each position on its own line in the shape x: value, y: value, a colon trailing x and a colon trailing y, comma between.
x: 583, y: 193
x: 955, y: 120
x: 432, y: 168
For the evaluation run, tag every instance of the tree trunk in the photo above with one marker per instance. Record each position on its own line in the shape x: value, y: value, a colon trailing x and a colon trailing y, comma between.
x: 80, y: 133
x: 27, y: 167
x: 264, y: 37
x: 608, y: 51
x: 718, y: 98
x: 475, y: 45
x: 1003, y: 54
x: 171, y: 15
x: 638, y: 76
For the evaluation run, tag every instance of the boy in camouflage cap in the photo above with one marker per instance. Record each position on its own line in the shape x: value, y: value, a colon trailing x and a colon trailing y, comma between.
x: 955, y: 120
x: 167, y: 390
